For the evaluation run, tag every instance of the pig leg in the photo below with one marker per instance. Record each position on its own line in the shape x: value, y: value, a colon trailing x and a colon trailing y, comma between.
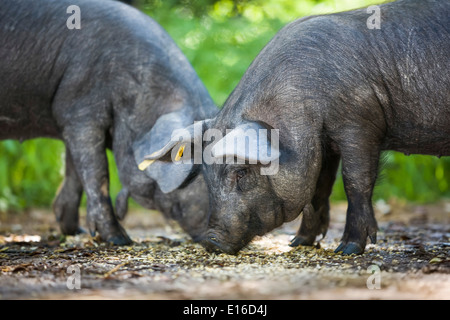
x: 67, y: 201
x: 89, y: 157
x: 122, y: 203
x: 316, y: 216
x: 359, y: 171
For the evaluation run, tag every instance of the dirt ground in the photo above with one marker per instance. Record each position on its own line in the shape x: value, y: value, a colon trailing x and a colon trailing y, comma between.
x: 410, y: 261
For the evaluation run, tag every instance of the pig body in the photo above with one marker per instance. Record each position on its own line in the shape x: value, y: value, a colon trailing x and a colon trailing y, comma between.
x: 336, y: 90
x: 117, y: 79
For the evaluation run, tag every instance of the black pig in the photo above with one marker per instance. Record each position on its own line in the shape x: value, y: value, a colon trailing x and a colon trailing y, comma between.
x: 119, y: 82
x: 336, y: 90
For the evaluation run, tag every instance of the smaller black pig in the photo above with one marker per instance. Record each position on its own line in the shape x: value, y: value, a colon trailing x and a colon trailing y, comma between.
x: 118, y: 82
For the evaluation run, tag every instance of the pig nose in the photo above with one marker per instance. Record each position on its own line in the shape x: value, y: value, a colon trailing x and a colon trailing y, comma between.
x: 211, y: 245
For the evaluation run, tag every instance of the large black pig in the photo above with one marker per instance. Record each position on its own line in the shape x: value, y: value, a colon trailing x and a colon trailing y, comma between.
x: 337, y: 88
x: 102, y: 75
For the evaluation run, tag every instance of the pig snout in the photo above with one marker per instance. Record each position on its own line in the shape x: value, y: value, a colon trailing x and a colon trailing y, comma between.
x: 213, y: 243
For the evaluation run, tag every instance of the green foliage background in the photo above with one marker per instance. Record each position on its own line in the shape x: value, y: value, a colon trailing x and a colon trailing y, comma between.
x: 220, y: 38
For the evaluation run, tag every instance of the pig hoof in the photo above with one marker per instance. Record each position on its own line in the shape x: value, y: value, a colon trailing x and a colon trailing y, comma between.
x: 119, y: 240
x: 349, y: 248
x: 119, y: 237
x: 300, y: 241
x: 71, y: 230
x: 80, y: 231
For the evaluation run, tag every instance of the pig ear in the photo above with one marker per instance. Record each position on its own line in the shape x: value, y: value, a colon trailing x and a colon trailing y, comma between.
x: 251, y: 142
x: 179, y: 138
x: 168, y: 175
x: 169, y: 131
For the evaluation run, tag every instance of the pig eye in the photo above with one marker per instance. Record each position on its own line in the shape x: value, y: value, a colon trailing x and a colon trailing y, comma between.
x: 240, y: 174
x: 241, y: 181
